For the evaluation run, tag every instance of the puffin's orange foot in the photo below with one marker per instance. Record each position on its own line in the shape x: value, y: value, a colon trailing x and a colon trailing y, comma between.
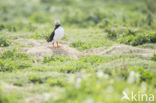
x: 58, y: 46
x: 54, y: 46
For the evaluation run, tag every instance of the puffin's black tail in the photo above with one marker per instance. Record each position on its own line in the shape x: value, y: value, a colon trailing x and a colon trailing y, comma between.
x: 51, y: 37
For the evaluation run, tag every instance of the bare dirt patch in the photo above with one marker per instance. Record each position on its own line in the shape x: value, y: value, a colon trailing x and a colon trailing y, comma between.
x: 41, y: 48
x: 28, y: 42
x: 121, y: 49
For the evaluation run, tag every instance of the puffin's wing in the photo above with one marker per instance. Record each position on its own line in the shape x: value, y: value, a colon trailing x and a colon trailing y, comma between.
x: 51, y: 37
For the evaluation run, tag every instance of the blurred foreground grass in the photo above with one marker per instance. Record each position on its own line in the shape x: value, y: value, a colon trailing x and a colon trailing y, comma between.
x: 88, y: 24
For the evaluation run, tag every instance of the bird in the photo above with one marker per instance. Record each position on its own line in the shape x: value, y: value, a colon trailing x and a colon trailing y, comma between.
x: 57, y: 34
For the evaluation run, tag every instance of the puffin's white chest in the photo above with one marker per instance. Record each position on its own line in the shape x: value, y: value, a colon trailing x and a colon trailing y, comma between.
x: 59, y: 33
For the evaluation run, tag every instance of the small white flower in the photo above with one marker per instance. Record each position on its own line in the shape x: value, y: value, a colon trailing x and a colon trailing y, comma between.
x: 111, y: 81
x: 133, y: 77
x: 106, y: 76
x: 100, y: 74
x: 78, y: 81
x: 143, y: 86
x: 110, y: 89
x: 46, y: 96
x: 137, y: 77
x: 89, y: 100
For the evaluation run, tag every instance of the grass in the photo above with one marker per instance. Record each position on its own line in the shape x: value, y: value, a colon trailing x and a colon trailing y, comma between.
x: 87, y: 39
x: 154, y: 57
x: 13, y: 59
x: 88, y: 25
x: 87, y: 79
x: 4, y: 42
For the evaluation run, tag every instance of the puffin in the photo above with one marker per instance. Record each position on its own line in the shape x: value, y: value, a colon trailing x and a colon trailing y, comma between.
x: 57, y: 34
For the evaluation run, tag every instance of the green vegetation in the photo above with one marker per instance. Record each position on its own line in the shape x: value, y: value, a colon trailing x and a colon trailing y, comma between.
x: 92, y: 27
x: 4, y: 41
x: 131, y: 37
x: 154, y: 57
x: 11, y: 60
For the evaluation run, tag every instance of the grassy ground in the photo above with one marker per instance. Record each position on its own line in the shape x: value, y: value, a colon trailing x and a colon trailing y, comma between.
x: 90, y: 78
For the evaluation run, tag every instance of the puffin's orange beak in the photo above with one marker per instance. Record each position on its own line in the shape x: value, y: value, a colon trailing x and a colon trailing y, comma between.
x: 57, y: 23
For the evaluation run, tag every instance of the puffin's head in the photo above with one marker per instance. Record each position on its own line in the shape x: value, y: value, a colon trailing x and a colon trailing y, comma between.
x: 57, y: 22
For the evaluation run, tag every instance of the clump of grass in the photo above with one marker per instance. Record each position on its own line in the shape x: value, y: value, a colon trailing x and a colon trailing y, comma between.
x: 12, y: 59
x: 112, y: 34
x: 131, y: 37
x: 73, y: 67
x: 4, y: 42
x: 10, y: 28
x: 2, y: 26
x: 93, y: 59
x: 5, y: 98
x: 152, y: 37
x: 48, y: 59
x: 145, y: 74
x: 19, y: 83
x: 56, y: 82
x: 6, y: 65
x: 154, y: 57
x: 13, y: 54
x: 38, y: 36
x: 80, y: 45
x: 134, y: 39
x: 36, y: 79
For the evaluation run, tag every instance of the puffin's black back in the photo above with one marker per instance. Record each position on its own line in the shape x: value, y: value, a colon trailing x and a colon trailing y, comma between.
x: 53, y: 33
